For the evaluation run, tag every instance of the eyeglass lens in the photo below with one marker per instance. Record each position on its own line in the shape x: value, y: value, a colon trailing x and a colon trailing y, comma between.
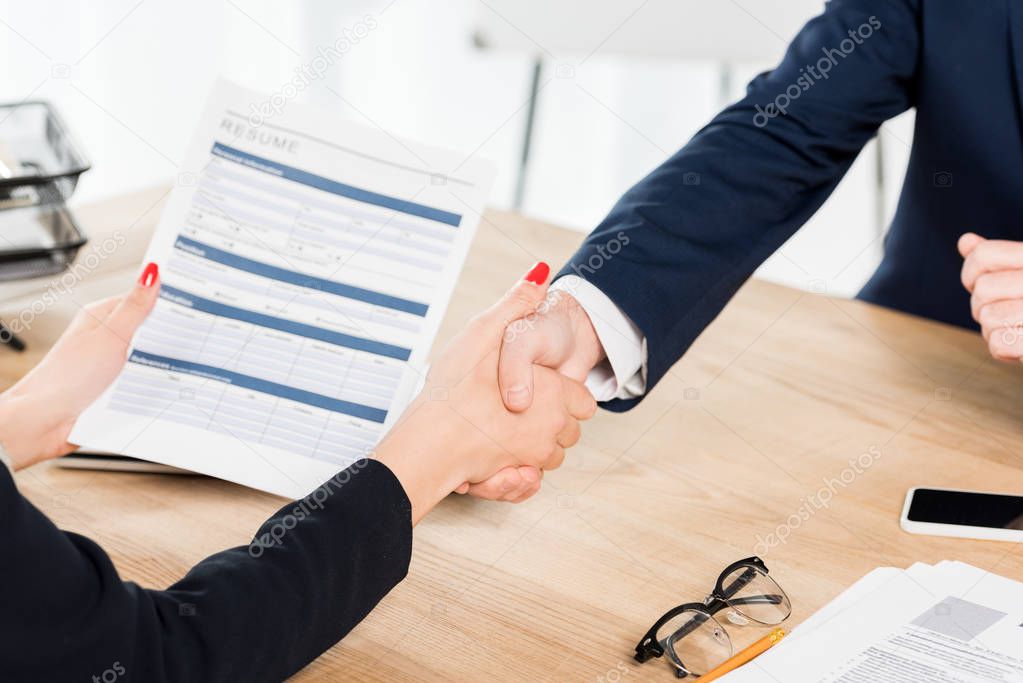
x: 752, y: 595
x: 695, y: 642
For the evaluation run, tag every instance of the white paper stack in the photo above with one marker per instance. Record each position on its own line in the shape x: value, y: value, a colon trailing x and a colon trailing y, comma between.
x: 946, y: 623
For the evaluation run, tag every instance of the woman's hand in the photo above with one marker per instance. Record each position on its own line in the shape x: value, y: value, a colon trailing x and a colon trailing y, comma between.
x: 37, y: 413
x: 458, y: 429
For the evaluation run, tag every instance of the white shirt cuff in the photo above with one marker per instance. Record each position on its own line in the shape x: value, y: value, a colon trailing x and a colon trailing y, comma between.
x: 623, y: 374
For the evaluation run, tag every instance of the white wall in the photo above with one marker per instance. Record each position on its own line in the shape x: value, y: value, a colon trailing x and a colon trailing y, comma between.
x: 131, y: 78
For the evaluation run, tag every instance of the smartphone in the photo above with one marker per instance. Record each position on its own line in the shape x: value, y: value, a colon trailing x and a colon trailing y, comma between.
x: 963, y: 514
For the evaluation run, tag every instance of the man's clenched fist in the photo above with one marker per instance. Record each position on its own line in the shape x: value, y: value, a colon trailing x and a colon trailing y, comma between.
x: 993, y: 274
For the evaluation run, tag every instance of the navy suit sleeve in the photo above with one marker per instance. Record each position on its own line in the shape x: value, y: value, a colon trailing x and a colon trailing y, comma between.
x: 678, y: 245
x: 256, y: 613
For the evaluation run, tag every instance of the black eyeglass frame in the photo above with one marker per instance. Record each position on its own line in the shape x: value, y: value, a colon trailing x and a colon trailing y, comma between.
x: 722, y: 598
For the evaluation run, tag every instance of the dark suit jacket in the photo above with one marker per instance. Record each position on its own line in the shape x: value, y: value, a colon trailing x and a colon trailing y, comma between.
x: 257, y: 613
x: 678, y: 245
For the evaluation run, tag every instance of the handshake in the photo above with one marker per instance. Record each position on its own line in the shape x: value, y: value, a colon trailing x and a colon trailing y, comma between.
x: 501, y: 404
x: 503, y: 400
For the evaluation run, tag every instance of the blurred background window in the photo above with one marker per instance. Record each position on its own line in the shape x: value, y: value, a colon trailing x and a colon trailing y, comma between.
x: 619, y: 85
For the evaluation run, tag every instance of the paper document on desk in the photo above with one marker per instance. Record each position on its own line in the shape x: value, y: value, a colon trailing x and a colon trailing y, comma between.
x: 948, y: 623
x: 306, y: 264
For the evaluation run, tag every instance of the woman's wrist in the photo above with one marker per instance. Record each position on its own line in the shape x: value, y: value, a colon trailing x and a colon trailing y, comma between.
x: 28, y: 425
x: 6, y: 416
x: 9, y: 437
x: 425, y: 453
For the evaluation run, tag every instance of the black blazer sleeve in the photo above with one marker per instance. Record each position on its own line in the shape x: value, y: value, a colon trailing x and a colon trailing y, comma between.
x: 678, y: 245
x: 256, y: 613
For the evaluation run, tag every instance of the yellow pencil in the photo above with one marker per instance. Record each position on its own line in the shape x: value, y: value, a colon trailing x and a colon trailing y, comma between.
x: 753, y: 651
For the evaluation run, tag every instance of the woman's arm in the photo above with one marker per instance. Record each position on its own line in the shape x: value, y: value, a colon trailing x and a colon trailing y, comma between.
x: 256, y: 613
x: 311, y: 573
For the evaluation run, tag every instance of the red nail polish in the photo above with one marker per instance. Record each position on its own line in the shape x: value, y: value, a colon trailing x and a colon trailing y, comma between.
x: 538, y: 274
x: 149, y: 275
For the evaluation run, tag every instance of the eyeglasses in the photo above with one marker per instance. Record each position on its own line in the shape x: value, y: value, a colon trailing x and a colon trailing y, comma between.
x: 693, y: 638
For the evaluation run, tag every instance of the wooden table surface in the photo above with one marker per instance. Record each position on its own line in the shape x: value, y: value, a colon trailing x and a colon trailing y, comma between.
x: 736, y: 452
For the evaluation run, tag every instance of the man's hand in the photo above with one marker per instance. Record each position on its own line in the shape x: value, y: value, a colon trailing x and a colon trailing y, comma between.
x: 559, y: 335
x: 458, y: 428
x: 993, y: 274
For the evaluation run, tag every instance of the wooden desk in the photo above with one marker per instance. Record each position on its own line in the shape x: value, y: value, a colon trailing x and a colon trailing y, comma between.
x: 766, y: 409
